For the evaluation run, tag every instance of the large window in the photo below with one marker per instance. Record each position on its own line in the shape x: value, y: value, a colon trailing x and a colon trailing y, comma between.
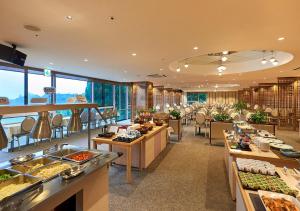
x: 12, y: 86
x: 121, y: 99
x: 103, y: 94
x: 36, y: 83
x: 69, y: 88
x: 196, y: 97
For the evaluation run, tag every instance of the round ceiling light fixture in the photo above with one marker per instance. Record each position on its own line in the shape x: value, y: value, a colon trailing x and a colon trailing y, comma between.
x: 195, y: 48
x: 272, y: 59
x: 178, y: 69
x: 186, y: 65
x: 264, y: 61
x: 69, y: 17
x: 275, y: 62
x: 225, y: 52
x: 280, y: 38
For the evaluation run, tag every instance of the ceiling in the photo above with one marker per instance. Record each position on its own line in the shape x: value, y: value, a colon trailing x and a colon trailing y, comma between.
x: 159, y: 32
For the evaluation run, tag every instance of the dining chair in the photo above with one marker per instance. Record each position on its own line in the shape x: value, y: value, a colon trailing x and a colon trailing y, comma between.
x: 200, y: 123
x: 26, y: 127
x: 57, y: 125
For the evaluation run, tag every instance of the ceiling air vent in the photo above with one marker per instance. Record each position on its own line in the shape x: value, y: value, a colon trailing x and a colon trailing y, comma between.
x: 156, y: 75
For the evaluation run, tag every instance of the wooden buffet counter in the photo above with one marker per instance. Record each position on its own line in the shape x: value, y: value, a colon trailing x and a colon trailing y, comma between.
x: 139, y: 153
x: 271, y: 156
x: 216, y: 128
x: 248, y: 200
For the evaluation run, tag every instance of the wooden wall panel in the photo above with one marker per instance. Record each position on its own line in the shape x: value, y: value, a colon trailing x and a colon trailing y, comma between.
x: 222, y: 97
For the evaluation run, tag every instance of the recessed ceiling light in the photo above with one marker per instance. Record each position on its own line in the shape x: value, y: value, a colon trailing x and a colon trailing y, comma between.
x: 264, y: 61
x: 85, y: 60
x: 161, y: 69
x: 69, y: 17
x: 275, y: 62
x: 178, y: 69
x: 133, y: 54
x: 195, y: 48
x: 186, y: 65
x: 51, y: 63
x: 219, y: 74
x: 224, y: 58
x: 281, y: 38
x: 272, y: 59
x: 225, y: 52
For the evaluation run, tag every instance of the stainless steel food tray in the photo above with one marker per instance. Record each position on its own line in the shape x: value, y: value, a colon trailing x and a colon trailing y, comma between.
x: 94, y: 153
x: 20, y: 179
x: 8, y: 171
x: 63, y: 152
x: 26, y: 167
x: 35, y: 172
x: 21, y: 159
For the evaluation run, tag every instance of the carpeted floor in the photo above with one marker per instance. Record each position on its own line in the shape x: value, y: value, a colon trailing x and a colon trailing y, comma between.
x: 189, y: 175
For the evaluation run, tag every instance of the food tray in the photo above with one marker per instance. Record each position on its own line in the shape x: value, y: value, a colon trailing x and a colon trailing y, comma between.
x: 63, y: 152
x: 54, y: 164
x: 27, y: 166
x: 21, y: 159
x: 18, y: 180
x: 8, y: 171
x: 273, y: 195
x: 72, y: 172
x: 281, y: 146
x: 290, y: 153
x: 92, y: 154
x: 106, y: 135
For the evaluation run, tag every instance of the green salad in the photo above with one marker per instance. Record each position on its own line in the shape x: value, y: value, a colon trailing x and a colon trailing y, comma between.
x: 5, y: 177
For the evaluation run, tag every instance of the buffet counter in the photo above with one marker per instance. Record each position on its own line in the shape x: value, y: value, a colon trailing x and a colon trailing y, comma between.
x: 272, y: 156
x: 86, y: 191
x: 250, y: 200
x: 140, y: 152
x: 217, y: 127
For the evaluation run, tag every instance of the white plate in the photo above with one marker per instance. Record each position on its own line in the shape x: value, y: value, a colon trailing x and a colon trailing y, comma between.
x: 281, y: 146
x: 276, y: 196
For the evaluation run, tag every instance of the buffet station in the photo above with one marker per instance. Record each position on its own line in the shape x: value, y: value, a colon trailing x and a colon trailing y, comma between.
x: 245, y: 141
x: 54, y: 179
x: 262, y: 186
x: 141, y: 143
x: 216, y: 128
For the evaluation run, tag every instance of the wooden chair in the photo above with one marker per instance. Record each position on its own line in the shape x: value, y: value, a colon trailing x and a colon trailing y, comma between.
x: 57, y: 125
x: 26, y: 127
x: 200, y: 123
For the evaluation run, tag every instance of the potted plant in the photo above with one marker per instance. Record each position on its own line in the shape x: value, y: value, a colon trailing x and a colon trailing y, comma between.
x: 174, y: 114
x: 240, y: 106
x: 259, y: 117
x: 222, y: 117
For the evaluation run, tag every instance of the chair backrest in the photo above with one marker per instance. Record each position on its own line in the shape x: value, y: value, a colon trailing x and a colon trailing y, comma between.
x: 200, y: 118
x: 57, y: 120
x: 274, y: 113
x: 84, y: 116
x: 27, y: 124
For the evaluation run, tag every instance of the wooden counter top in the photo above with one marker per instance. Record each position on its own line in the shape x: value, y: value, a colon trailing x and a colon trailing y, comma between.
x: 43, y: 107
x: 151, y: 133
x: 255, y: 153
